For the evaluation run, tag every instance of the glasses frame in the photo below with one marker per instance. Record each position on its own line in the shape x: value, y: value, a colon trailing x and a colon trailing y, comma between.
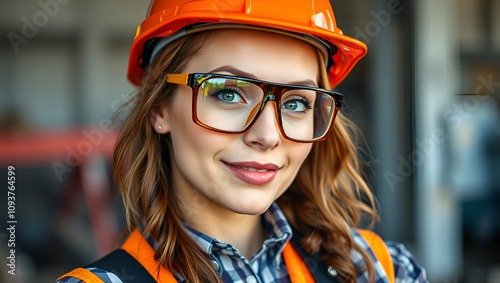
x: 272, y: 92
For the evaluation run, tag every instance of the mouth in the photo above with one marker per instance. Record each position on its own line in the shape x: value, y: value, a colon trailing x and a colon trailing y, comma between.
x: 252, y: 172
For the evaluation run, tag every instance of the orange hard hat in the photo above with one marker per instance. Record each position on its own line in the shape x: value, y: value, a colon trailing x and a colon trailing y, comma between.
x: 312, y: 21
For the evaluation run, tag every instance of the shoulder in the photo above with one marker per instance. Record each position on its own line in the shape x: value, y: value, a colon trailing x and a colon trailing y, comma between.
x: 81, y: 275
x: 406, y: 267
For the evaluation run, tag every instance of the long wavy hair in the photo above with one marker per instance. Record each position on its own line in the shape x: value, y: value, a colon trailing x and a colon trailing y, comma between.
x: 325, y: 201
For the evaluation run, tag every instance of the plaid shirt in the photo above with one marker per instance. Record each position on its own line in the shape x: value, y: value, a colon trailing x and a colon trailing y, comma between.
x: 268, y: 264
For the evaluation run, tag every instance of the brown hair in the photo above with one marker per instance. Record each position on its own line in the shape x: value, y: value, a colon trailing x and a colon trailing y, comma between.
x: 324, y: 202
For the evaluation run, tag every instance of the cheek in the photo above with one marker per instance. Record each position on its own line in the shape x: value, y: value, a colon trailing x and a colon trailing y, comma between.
x: 187, y: 137
x: 299, y: 153
x: 194, y: 147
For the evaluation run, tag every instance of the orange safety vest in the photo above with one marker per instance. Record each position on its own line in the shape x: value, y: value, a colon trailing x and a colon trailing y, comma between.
x: 142, y: 251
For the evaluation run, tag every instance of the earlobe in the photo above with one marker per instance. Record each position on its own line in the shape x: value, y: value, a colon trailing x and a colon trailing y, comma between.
x: 159, y: 119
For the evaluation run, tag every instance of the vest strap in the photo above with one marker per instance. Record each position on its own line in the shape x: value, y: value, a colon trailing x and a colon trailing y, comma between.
x: 124, y: 266
x: 297, y: 268
x: 381, y: 252
x: 142, y: 251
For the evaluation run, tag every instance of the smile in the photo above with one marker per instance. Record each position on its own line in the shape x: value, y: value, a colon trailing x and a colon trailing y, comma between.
x: 251, y: 169
x: 253, y: 172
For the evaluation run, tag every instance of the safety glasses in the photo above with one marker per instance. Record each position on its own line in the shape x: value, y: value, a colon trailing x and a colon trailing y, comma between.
x: 231, y: 104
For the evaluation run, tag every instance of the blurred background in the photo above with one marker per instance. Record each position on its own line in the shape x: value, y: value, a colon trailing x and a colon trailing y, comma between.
x: 426, y: 98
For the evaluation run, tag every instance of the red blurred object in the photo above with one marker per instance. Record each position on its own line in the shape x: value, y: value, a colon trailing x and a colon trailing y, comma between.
x: 38, y: 148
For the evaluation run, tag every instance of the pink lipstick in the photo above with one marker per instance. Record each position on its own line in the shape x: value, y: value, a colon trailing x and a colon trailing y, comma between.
x: 253, y: 172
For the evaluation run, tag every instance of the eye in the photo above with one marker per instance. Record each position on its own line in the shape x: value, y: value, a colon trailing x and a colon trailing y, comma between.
x: 228, y: 95
x: 297, y: 104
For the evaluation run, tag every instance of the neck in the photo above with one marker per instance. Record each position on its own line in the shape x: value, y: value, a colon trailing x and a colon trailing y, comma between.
x: 244, y: 232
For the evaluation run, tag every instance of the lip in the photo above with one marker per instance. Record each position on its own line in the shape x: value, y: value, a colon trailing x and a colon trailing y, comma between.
x: 246, y: 171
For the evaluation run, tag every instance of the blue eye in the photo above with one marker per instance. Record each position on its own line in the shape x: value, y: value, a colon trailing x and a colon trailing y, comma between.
x: 228, y: 95
x: 298, y: 105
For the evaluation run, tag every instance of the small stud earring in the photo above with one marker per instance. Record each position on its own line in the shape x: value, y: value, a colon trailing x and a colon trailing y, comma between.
x: 159, y: 127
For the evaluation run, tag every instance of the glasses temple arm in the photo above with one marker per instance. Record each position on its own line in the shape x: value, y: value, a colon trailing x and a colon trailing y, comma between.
x: 180, y: 79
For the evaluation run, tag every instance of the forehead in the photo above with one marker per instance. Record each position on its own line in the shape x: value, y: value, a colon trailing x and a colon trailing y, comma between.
x: 268, y: 56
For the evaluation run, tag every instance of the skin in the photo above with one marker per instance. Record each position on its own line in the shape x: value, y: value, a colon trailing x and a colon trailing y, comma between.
x: 213, y: 200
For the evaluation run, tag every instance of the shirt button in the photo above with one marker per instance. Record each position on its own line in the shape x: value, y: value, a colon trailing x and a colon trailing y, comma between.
x: 251, y: 279
x: 332, y: 272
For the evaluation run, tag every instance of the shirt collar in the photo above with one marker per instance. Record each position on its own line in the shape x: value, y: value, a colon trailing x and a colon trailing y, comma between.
x: 278, y: 230
x: 275, y: 224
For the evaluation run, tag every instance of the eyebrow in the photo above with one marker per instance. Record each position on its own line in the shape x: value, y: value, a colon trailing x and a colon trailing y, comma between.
x: 240, y: 73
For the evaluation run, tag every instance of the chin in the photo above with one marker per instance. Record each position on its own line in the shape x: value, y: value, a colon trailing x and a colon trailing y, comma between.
x: 249, y: 207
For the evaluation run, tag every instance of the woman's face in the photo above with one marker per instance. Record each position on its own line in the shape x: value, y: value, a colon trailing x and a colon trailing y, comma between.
x: 241, y: 173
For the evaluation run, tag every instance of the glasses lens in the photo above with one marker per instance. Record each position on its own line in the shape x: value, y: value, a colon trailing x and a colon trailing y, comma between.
x: 306, y: 114
x: 227, y: 104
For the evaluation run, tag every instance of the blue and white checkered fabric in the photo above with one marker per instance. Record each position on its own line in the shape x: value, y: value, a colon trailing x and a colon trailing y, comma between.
x: 265, y: 266
x: 268, y: 264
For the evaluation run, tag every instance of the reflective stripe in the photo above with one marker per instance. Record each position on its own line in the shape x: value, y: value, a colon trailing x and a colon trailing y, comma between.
x: 82, y: 274
x: 381, y: 252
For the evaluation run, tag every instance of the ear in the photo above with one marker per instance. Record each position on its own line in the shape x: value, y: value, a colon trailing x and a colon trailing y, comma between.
x: 159, y: 118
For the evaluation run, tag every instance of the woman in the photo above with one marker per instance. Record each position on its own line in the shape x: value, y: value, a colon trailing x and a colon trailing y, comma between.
x: 231, y: 166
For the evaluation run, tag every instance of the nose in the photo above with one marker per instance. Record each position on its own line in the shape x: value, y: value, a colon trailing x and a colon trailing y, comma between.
x: 264, y: 133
